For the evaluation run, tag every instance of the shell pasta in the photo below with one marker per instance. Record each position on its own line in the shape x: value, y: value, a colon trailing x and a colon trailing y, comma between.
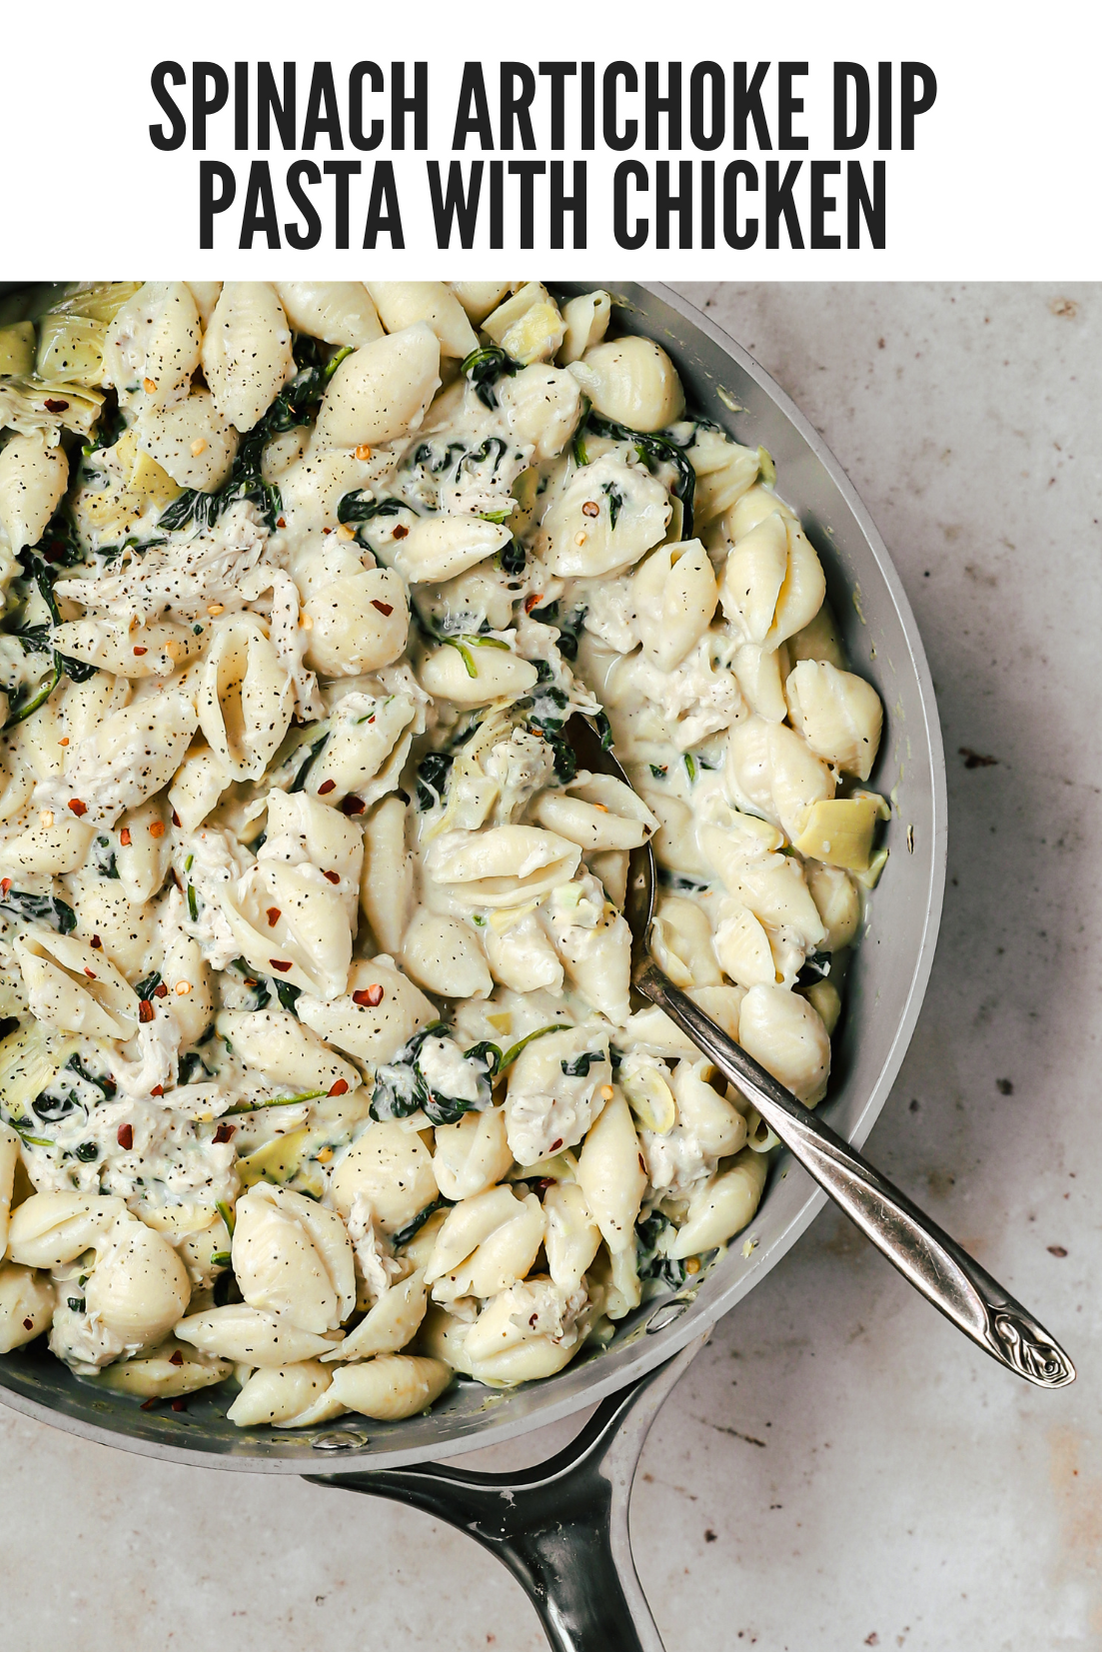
x: 321, y: 1077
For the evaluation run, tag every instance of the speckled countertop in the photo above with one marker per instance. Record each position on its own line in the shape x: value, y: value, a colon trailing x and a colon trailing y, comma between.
x: 839, y: 1469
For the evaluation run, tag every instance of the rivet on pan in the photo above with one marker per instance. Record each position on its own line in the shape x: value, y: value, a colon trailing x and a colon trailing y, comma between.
x: 665, y: 1316
x: 338, y: 1441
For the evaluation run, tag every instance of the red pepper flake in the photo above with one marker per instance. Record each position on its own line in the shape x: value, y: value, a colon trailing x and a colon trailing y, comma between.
x: 28, y: 1325
x: 386, y: 609
x: 145, y: 1011
x: 77, y: 807
x: 280, y: 964
x: 642, y: 1165
x: 160, y: 991
x: 333, y: 877
x: 591, y: 508
x: 532, y: 1318
x: 124, y: 837
x: 55, y: 406
x: 533, y: 600
x: 158, y: 1090
x: 125, y: 1136
x: 542, y: 1184
x: 5, y: 886
x: 224, y: 1133
x: 556, y: 1145
x: 95, y: 942
x: 273, y: 917
x: 156, y: 829
x: 138, y: 650
x: 327, y: 530
x: 179, y: 1406
x: 148, y: 1405
x: 400, y: 532
x: 326, y: 787
x: 352, y: 805
x: 339, y: 1088
x: 250, y: 981
x: 175, y: 818
x: 369, y: 996
x: 281, y: 522
x: 176, y: 1358
x: 91, y: 974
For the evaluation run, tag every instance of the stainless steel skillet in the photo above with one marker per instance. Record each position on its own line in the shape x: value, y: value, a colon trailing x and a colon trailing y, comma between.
x: 562, y: 1528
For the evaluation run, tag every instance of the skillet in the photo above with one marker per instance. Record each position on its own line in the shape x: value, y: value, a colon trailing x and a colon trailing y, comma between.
x: 562, y: 1527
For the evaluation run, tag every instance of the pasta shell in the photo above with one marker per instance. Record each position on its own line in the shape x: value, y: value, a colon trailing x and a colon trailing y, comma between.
x: 439, y: 548
x: 381, y: 391
x: 371, y: 1028
x: 26, y: 1306
x: 502, y: 866
x: 611, y: 1174
x: 471, y: 1155
x: 838, y: 714
x: 723, y: 1206
x: 404, y: 303
x: 51, y: 1229
x: 782, y: 1031
x: 390, y: 1324
x: 139, y: 1287
x: 239, y: 1333
x: 245, y: 700
x: 633, y: 381
x: 358, y: 623
x: 391, y: 1168
x: 152, y: 345
x: 293, y: 1258
x: 277, y: 1394
x: 74, y: 987
x: 340, y: 312
x: 191, y: 441
x: 475, y: 673
x: 33, y: 478
x: 391, y: 1387
x: 246, y: 354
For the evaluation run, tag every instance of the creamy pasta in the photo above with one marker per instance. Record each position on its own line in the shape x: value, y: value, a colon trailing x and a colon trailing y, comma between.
x: 321, y: 1073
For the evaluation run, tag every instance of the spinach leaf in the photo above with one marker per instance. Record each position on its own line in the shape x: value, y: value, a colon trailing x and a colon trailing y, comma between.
x: 484, y: 367
x: 103, y: 857
x: 148, y: 985
x: 401, y: 1086
x: 432, y: 778
x: 654, y: 448
x: 296, y: 404
x: 577, y: 1067
x: 404, y: 1235
x: 307, y: 764
x: 41, y: 909
x: 652, y: 1264
x: 354, y: 507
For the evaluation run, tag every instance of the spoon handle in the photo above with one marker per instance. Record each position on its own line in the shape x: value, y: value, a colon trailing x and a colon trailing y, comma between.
x: 927, y: 1257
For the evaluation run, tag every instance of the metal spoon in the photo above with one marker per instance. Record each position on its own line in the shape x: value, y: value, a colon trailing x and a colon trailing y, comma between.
x: 933, y: 1263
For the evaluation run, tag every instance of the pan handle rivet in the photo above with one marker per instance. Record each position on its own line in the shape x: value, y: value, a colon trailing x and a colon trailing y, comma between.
x: 339, y: 1441
x: 665, y: 1316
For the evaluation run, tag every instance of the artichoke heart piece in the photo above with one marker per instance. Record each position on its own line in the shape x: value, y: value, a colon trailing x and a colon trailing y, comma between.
x: 839, y: 831
x: 287, y: 1163
x: 17, y: 348
x: 30, y: 1060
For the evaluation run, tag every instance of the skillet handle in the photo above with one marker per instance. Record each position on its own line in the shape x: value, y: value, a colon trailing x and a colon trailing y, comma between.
x: 560, y: 1527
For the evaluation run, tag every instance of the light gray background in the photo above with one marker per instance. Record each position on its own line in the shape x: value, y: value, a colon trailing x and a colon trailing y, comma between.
x: 839, y: 1469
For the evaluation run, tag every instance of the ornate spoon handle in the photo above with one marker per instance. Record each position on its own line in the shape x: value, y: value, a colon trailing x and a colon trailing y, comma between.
x: 927, y: 1257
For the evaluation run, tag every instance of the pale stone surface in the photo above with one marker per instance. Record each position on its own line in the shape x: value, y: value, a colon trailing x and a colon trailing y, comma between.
x: 868, y: 1478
